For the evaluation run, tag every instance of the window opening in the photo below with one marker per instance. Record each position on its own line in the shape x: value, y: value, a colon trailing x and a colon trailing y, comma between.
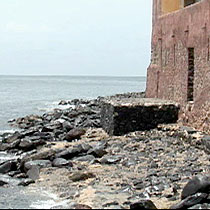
x: 191, y: 69
x: 189, y: 2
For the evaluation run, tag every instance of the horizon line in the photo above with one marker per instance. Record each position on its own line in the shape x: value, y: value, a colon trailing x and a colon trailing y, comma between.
x: 58, y: 75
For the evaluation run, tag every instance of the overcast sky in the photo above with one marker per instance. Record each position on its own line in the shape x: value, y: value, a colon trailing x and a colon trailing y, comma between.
x: 75, y: 37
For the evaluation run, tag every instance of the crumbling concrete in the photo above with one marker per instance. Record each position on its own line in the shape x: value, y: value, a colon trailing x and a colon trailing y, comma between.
x: 119, y: 117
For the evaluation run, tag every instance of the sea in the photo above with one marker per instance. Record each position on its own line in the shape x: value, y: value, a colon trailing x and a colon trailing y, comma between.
x: 25, y: 95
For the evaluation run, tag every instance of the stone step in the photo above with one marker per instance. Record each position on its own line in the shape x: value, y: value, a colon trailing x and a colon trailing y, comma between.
x: 119, y: 117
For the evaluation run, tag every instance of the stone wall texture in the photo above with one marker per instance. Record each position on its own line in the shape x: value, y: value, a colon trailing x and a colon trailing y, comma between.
x: 168, y: 75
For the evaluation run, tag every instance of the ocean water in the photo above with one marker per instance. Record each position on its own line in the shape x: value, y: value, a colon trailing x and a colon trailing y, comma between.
x: 24, y: 95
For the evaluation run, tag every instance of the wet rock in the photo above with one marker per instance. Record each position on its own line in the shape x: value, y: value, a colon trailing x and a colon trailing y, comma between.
x: 206, y: 143
x: 8, y: 166
x: 6, y: 146
x: 187, y: 129
x: 12, y: 137
x: 27, y: 144
x: 195, y: 185
x: 144, y: 204
x: 81, y: 176
x: 113, y: 205
x: 111, y: 159
x: 62, y: 102
x: 26, y: 182
x: 7, y: 180
x: 67, y: 126
x: 191, y: 201
x: 87, y: 158
x: 201, y: 206
x: 20, y: 176
x: 80, y: 206
x: 39, y: 163
x: 68, y: 153
x: 74, y: 152
x: 75, y: 134
x: 98, y: 151
x: 47, y: 129
x: 44, y: 155
x: 61, y: 162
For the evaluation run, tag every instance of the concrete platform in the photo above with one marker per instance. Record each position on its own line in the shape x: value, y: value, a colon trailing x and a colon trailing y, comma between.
x: 121, y: 116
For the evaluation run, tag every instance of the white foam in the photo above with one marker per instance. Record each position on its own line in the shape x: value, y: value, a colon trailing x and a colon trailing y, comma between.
x: 48, y: 204
x: 11, y: 131
x: 55, y: 105
x: 4, y: 156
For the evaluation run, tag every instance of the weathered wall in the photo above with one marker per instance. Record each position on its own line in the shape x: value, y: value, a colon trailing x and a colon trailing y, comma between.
x: 167, y: 74
x: 170, y: 5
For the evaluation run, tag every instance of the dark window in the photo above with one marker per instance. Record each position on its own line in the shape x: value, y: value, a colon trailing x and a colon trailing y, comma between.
x: 189, y: 2
x: 191, y: 69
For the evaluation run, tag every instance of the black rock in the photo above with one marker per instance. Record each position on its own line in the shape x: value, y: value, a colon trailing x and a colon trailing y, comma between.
x: 39, y: 163
x: 110, y: 159
x: 87, y: 158
x: 74, y: 152
x: 196, y: 184
x: 67, y: 126
x: 206, y: 143
x: 75, y: 134
x: 68, y: 153
x: 187, y: 129
x: 7, y: 180
x: 61, y: 162
x: 26, y: 182
x: 190, y: 201
x: 47, y: 129
x: 62, y: 102
x: 9, y: 146
x: 201, y: 206
x: 97, y: 152
x: 33, y: 155
x: 26, y: 145
x: 79, y: 206
x: 81, y: 176
x: 8, y: 166
x: 13, y: 137
x: 144, y: 204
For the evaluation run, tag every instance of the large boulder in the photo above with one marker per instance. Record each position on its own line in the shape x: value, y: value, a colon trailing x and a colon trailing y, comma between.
x: 143, y: 204
x: 206, y: 143
x: 33, y: 172
x: 61, y: 162
x: 190, y: 201
x: 73, y: 152
x: 28, y: 144
x: 39, y: 163
x: 196, y: 184
x: 75, y: 133
x: 8, y: 166
x: 81, y: 176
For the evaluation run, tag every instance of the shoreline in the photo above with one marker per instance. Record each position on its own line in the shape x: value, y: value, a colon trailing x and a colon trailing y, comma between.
x: 100, y: 171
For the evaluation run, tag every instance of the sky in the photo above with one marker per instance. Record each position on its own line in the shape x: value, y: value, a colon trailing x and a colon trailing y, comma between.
x: 75, y: 37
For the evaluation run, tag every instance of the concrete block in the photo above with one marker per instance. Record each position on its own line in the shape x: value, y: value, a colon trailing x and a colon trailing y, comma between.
x: 119, y: 117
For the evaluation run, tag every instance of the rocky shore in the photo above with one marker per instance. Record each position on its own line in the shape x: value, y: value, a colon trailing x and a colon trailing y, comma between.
x: 66, y: 152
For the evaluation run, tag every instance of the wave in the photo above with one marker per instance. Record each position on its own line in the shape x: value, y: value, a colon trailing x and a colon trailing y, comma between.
x: 51, y: 202
x: 55, y: 105
x: 10, y: 131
